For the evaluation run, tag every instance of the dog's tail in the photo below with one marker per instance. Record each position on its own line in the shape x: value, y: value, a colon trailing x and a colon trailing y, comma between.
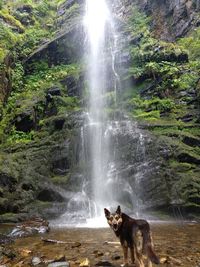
x: 148, y: 247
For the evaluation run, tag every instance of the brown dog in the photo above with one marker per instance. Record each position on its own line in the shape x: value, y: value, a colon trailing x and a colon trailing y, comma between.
x: 133, y: 234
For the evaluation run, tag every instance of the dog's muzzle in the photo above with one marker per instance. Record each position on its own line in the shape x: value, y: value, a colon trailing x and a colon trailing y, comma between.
x: 115, y: 226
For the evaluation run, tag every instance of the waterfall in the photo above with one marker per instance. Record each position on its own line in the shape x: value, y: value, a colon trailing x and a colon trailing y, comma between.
x: 97, y: 19
x: 112, y: 156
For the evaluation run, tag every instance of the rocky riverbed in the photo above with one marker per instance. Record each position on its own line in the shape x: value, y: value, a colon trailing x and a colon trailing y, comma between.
x: 179, y: 243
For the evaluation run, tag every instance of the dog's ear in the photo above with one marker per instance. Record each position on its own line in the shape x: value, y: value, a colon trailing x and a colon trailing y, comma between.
x: 118, y: 211
x: 107, y: 213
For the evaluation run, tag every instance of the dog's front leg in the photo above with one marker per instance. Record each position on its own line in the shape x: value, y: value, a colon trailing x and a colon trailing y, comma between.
x: 125, y: 251
x: 132, y: 255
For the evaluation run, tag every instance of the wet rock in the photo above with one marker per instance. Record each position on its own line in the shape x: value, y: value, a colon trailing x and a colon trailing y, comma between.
x: 191, y: 141
x: 60, y: 258
x: 98, y: 253
x: 187, y: 157
x: 187, y: 118
x: 5, y: 239
x: 54, y: 91
x: 25, y: 15
x: 25, y: 252
x: 31, y: 227
x: 74, y: 85
x: 25, y: 8
x: 7, y: 182
x: 24, y: 122
x: 9, y: 253
x: 59, y: 123
x: 76, y: 245
x: 85, y: 263
x: 49, y: 194
x: 63, y: 49
x: 36, y: 261
x: 116, y: 257
x: 163, y: 260
x: 59, y: 264
x: 180, y: 14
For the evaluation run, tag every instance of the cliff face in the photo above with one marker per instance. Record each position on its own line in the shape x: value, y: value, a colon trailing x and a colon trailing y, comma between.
x: 172, y: 19
x: 165, y: 89
x: 41, y: 121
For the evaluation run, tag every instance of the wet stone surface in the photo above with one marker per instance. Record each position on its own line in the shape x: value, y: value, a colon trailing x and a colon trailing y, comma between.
x: 178, y: 243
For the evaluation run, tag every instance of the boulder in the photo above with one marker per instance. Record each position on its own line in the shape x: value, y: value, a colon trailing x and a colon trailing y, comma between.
x: 30, y: 227
x: 50, y: 195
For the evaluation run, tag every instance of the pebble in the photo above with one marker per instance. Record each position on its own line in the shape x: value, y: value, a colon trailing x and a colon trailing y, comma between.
x: 175, y: 261
x: 25, y: 252
x: 59, y: 264
x: 76, y: 245
x: 98, y: 253
x: 36, y: 261
x: 85, y: 263
x: 60, y: 258
x: 116, y: 257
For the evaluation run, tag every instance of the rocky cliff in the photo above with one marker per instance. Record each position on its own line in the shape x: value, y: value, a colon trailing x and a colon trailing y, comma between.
x: 43, y: 94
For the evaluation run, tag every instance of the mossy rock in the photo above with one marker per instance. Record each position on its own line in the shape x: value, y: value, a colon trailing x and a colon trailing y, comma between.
x: 181, y: 166
x: 9, y: 217
x: 189, y: 157
x: 60, y: 179
x: 3, y: 204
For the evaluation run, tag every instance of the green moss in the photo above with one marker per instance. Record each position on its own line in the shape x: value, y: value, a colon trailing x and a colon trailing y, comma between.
x: 29, y: 94
x: 9, y: 217
x: 190, y: 189
x: 163, y: 105
x: 60, y: 180
x: 181, y: 166
x: 148, y: 116
x: 67, y: 103
x: 44, y: 79
x: 9, y: 39
x: 177, y: 132
x: 192, y: 44
x: 3, y: 53
x: 4, y: 13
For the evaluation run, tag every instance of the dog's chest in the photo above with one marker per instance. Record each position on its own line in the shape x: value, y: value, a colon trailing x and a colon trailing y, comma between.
x: 126, y: 235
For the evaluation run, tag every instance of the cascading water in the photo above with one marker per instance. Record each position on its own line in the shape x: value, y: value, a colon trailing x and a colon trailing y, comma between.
x: 97, y: 15
x: 112, y: 150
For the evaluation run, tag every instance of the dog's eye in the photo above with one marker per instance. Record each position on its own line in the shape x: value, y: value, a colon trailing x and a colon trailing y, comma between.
x: 111, y: 218
x: 117, y: 217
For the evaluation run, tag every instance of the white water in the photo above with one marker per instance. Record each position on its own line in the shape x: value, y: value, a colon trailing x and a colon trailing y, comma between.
x: 103, y: 182
x: 97, y: 17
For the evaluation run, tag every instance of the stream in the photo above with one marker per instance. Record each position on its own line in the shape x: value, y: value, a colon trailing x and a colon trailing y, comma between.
x: 179, y: 242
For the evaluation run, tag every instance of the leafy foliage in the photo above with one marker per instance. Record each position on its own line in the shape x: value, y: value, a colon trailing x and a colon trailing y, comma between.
x: 192, y: 44
x: 19, y: 137
x: 161, y: 72
x: 17, y: 77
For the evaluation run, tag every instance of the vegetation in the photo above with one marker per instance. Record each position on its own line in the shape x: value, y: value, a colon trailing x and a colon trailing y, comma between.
x: 165, y: 98
x: 26, y: 25
x: 33, y: 97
